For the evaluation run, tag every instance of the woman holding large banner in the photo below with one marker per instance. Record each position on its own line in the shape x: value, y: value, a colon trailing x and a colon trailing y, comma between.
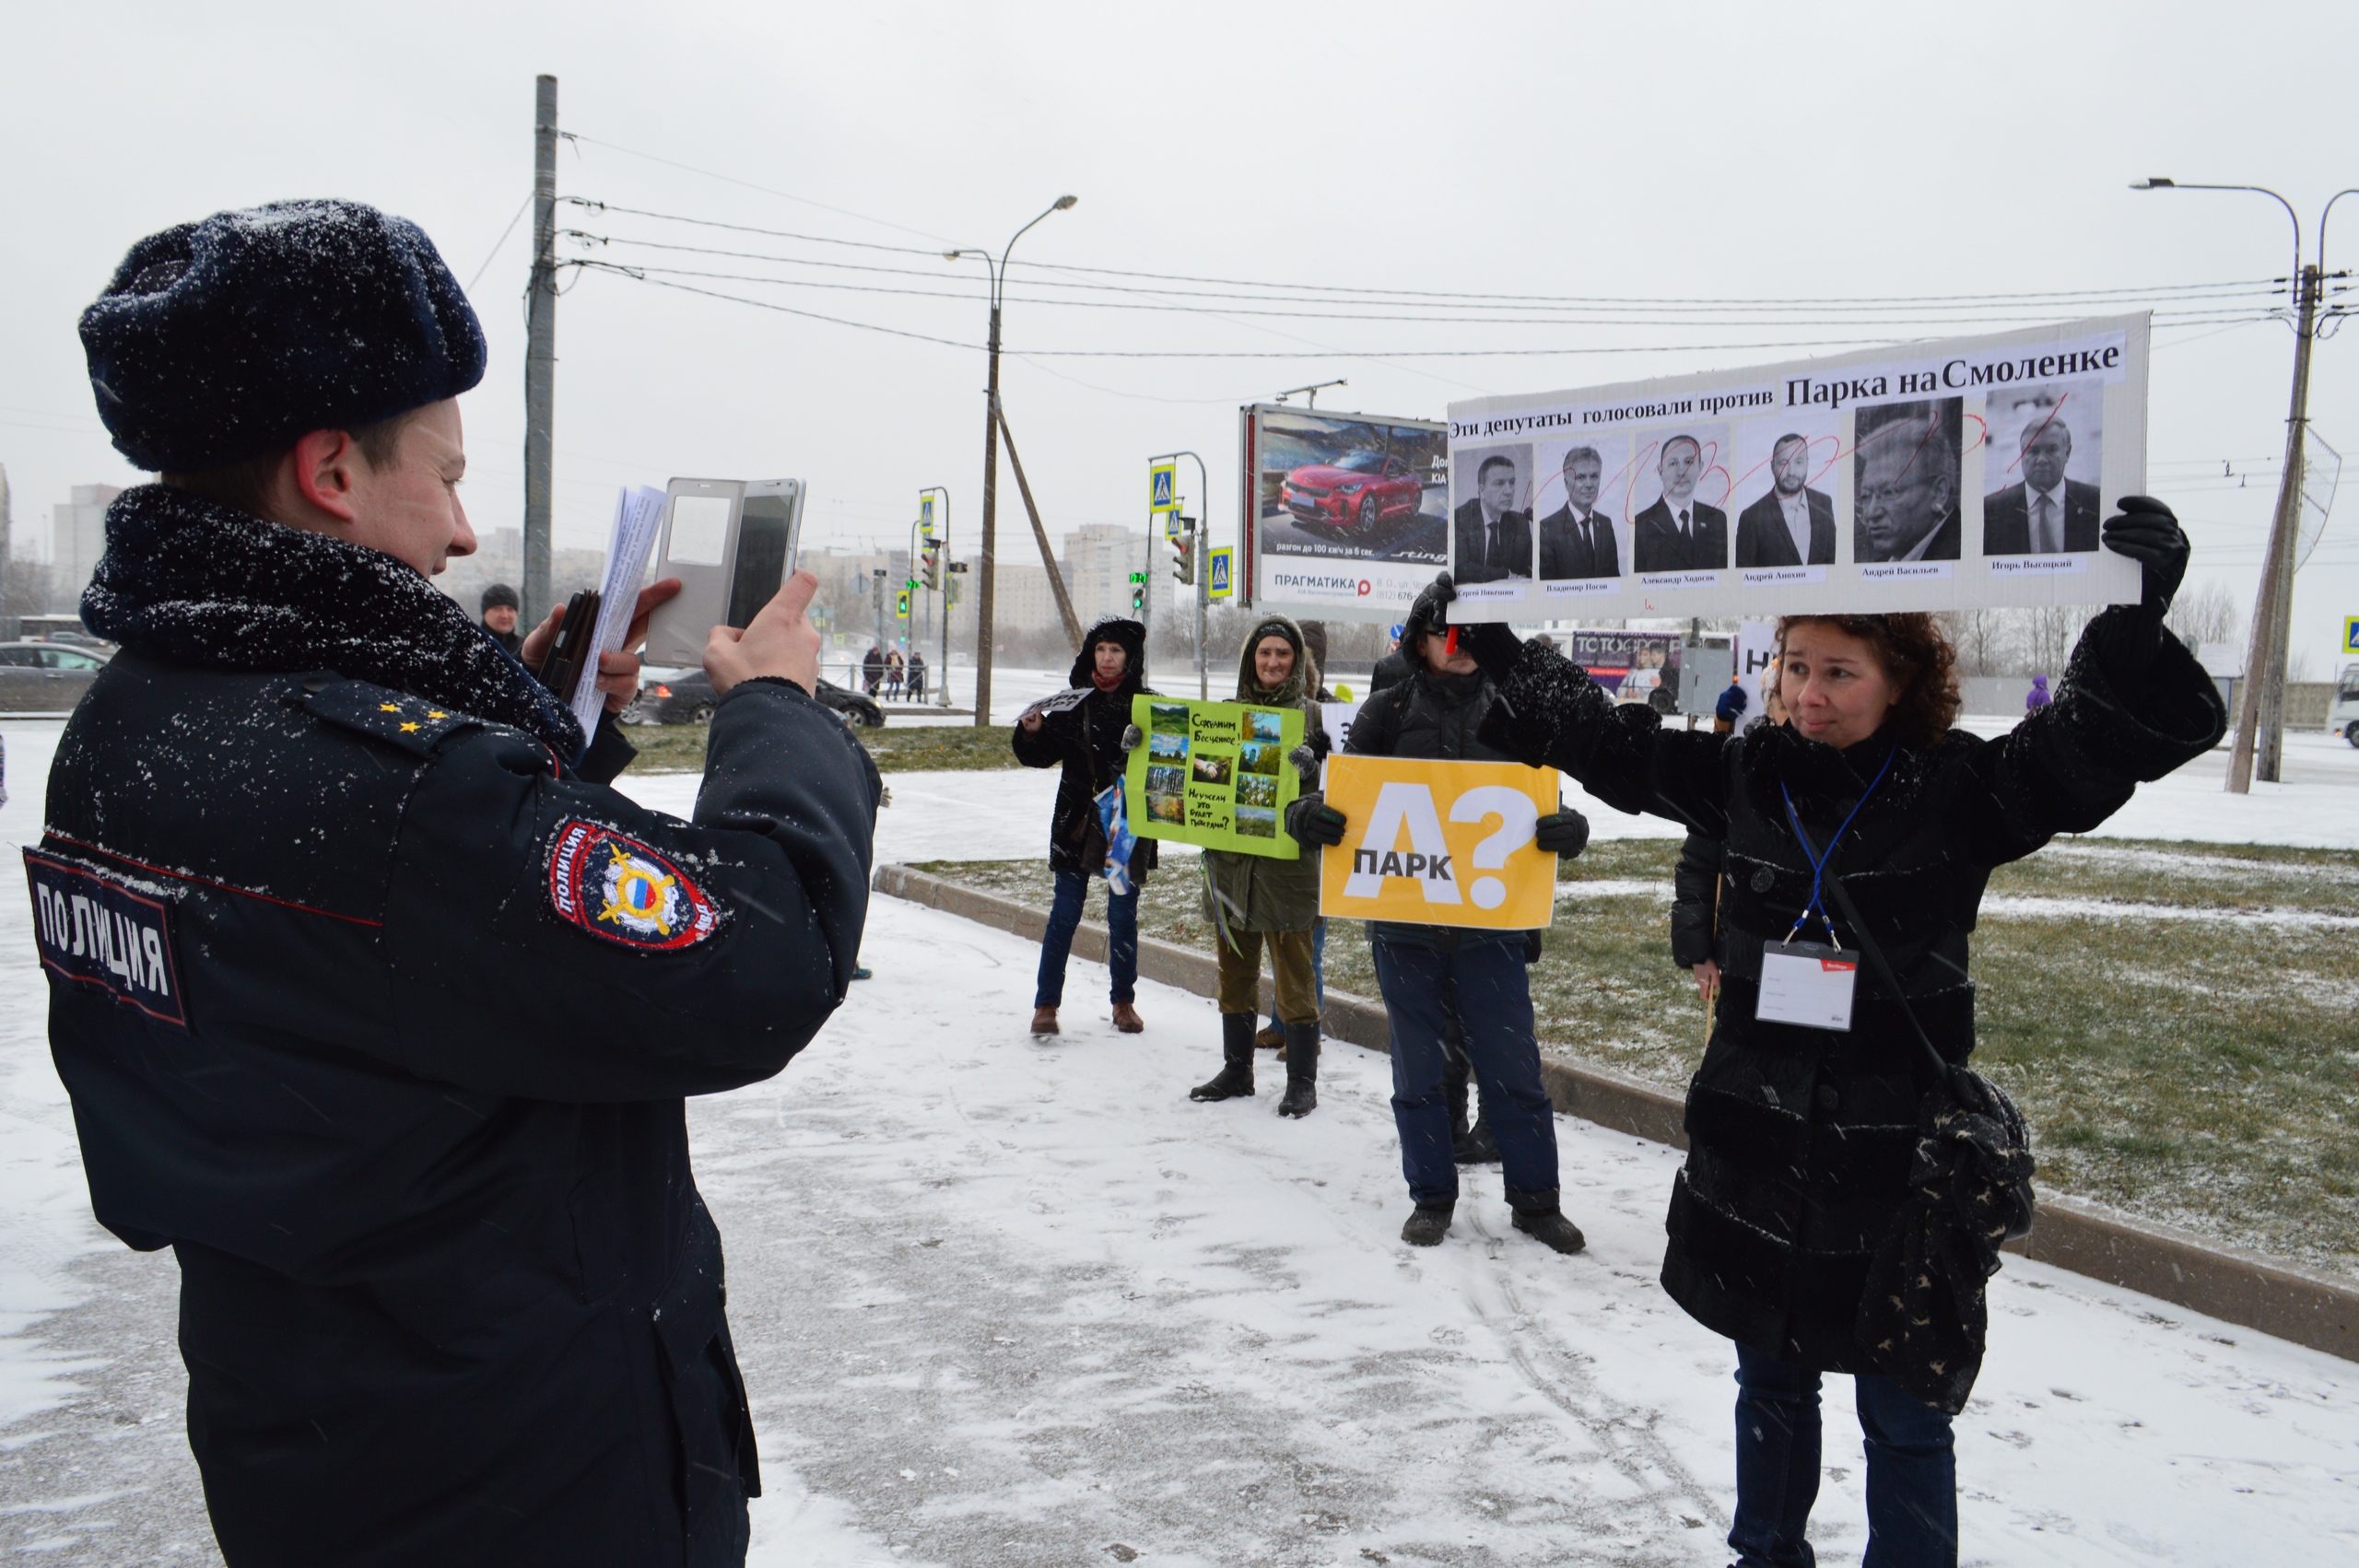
x: 1848, y: 1184
x: 1251, y: 899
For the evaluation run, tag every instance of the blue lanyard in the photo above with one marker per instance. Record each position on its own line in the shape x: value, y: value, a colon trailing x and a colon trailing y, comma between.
x: 1818, y: 858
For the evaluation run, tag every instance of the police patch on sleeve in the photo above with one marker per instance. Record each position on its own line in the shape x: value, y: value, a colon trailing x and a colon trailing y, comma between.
x: 101, y: 931
x: 615, y: 888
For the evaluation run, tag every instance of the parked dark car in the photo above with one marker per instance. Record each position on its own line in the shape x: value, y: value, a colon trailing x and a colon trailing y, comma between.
x: 46, y: 677
x: 1357, y: 491
x: 685, y: 697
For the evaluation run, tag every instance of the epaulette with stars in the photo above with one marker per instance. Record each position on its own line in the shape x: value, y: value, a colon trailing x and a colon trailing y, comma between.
x: 411, y: 723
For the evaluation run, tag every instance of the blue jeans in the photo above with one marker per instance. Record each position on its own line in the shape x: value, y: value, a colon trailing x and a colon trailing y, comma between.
x: 1494, y: 993
x: 1056, y: 943
x: 1318, y: 974
x: 1912, y: 1473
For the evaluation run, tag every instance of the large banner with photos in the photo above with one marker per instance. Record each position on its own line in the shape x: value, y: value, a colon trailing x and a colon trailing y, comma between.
x: 1937, y: 476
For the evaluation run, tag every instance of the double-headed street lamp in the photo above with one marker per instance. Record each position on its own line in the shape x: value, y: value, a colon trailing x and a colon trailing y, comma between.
x: 983, y: 594
x: 2261, y: 710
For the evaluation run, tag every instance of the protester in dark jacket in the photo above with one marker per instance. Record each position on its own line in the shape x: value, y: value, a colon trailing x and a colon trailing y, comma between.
x: 402, y: 1002
x: 1730, y: 707
x: 1080, y: 731
x: 1800, y: 1138
x: 1256, y: 900
x: 1435, y: 978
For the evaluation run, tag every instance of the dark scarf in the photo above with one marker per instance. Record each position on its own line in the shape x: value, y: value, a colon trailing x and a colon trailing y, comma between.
x: 193, y: 581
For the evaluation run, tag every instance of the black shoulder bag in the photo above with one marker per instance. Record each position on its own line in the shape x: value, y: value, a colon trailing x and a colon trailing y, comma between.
x: 1923, y: 1314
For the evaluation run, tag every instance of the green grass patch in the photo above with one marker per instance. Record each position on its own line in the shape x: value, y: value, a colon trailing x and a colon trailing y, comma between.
x: 2202, y: 1072
x: 897, y: 748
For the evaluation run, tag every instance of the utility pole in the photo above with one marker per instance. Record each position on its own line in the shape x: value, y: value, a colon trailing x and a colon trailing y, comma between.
x: 983, y: 600
x: 2260, y: 706
x: 2260, y: 717
x: 540, y: 356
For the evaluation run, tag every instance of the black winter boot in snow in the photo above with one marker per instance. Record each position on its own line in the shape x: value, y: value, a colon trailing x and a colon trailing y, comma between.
x: 1235, y: 1079
x: 1426, y: 1226
x: 1302, y: 1070
x: 1550, y: 1227
x: 1476, y: 1145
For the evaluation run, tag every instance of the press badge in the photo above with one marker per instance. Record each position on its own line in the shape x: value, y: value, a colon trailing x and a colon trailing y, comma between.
x: 1807, y: 983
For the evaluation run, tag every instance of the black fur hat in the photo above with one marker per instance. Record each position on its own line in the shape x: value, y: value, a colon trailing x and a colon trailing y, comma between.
x: 226, y: 339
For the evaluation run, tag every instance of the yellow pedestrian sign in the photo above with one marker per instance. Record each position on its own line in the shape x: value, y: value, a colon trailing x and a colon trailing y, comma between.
x: 2351, y: 635
x: 1223, y: 563
x: 1163, y: 487
x: 925, y: 517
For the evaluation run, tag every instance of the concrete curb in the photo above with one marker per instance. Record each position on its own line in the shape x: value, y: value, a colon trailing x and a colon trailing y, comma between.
x: 2302, y: 1305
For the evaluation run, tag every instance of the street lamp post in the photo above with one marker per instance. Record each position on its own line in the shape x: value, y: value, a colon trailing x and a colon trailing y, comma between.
x: 2261, y: 707
x: 983, y: 595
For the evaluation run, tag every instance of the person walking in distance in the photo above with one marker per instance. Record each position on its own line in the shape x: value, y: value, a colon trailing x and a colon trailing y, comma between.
x: 1256, y: 900
x: 1432, y: 974
x: 1866, y: 821
x: 400, y: 1075
x: 1086, y: 730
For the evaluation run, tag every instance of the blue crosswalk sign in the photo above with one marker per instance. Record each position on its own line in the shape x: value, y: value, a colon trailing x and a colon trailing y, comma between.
x: 2351, y: 635
x: 1162, y: 488
x: 1223, y: 563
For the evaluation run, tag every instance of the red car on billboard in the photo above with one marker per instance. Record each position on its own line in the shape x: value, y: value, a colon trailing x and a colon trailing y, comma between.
x: 1357, y: 491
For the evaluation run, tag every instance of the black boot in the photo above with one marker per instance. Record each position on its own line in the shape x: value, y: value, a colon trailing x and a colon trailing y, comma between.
x: 1550, y: 1227
x: 1426, y: 1226
x: 1302, y: 1070
x: 1235, y: 1079
x: 1475, y: 1145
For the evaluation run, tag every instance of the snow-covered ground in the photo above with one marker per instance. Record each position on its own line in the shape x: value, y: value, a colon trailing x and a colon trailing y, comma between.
x: 1006, y: 1303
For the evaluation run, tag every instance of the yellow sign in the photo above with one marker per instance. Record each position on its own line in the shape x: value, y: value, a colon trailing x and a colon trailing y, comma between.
x: 1163, y: 487
x: 1438, y: 842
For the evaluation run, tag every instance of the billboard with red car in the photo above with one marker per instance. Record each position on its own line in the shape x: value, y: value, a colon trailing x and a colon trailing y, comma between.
x: 1347, y: 511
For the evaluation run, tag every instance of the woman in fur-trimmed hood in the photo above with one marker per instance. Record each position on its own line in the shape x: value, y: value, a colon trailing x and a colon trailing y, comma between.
x: 1251, y: 900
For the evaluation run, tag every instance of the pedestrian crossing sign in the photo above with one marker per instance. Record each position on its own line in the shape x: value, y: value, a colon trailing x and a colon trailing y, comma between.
x: 1163, y: 487
x: 925, y: 517
x: 2350, y: 634
x: 1223, y: 565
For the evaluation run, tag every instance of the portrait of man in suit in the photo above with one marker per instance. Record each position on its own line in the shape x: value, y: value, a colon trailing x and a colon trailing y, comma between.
x: 2043, y: 514
x: 1577, y: 539
x: 1905, y: 481
x: 1493, y: 539
x: 1680, y: 533
x: 1793, y: 525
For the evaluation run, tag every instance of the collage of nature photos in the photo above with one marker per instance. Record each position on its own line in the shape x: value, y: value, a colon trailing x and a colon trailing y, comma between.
x: 1239, y: 782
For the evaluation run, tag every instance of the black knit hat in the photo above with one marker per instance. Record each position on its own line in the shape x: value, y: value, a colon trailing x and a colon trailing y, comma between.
x: 500, y: 593
x: 226, y: 339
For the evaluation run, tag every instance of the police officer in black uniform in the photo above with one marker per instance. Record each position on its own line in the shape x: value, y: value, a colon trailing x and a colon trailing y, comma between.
x: 376, y: 1004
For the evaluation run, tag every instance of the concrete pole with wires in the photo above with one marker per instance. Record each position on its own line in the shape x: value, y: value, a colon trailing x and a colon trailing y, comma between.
x: 2260, y: 720
x: 540, y: 356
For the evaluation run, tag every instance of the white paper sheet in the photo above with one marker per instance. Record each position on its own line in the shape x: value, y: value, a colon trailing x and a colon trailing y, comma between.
x: 638, y: 517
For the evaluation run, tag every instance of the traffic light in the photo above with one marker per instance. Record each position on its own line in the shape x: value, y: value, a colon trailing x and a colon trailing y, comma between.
x: 1183, y: 545
x: 1138, y: 592
x: 901, y: 605
x: 933, y: 559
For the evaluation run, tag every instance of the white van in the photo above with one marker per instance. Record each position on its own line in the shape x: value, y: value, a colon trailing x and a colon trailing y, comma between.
x: 2342, y: 718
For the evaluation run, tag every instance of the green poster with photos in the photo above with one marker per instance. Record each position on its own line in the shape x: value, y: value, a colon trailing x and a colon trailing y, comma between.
x: 1214, y: 773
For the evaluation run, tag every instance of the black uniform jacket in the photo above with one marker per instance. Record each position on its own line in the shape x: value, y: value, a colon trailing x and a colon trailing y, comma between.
x: 1800, y: 1138
x: 382, y: 1017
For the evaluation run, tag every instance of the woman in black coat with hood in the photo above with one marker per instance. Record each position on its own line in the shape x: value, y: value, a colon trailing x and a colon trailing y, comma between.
x: 1080, y: 731
x: 1799, y: 1138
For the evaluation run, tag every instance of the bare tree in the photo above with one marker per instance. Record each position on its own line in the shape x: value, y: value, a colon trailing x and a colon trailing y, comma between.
x: 2049, y: 633
x: 2205, y: 615
x: 1982, y: 639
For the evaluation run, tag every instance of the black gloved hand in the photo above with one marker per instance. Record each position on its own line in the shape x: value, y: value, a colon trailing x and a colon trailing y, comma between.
x: 1563, y: 832
x: 1310, y: 821
x: 2146, y: 531
x: 1493, y: 645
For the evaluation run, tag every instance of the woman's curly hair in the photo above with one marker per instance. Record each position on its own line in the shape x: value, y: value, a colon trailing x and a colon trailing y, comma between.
x: 1914, y: 654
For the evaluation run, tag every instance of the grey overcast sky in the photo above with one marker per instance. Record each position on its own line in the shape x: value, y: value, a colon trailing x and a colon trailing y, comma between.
x: 1665, y: 152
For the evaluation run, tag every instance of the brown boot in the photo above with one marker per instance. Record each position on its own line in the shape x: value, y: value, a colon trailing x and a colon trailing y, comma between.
x: 1272, y: 1039
x: 1127, y: 1019
x: 1044, y: 1021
